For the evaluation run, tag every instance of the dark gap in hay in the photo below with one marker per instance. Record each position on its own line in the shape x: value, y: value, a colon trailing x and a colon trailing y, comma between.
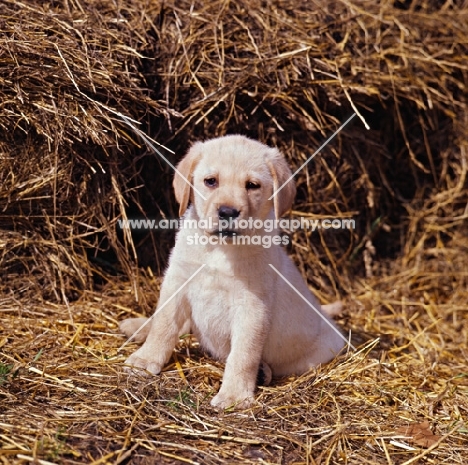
x: 153, y: 199
x: 428, y: 6
x: 396, y: 181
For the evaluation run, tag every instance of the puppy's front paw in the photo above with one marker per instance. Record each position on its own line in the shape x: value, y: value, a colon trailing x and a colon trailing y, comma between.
x: 141, y: 359
x: 135, y: 328
x: 238, y: 400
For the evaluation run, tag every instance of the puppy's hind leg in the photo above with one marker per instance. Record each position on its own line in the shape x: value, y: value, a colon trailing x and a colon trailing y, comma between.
x: 130, y: 326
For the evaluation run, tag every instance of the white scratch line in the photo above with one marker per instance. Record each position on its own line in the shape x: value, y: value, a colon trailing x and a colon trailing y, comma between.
x: 313, y: 308
x: 313, y: 155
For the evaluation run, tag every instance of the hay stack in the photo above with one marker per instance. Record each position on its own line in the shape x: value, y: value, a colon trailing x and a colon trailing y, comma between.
x: 284, y: 74
x: 67, y: 160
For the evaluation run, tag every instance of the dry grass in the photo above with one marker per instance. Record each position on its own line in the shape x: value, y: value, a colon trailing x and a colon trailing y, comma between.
x: 66, y: 400
x: 282, y: 72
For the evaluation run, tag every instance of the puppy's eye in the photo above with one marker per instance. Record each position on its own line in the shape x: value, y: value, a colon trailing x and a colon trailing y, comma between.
x: 211, y: 182
x: 250, y: 185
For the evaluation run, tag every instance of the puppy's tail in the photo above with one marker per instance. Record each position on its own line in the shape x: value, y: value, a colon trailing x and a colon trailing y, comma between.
x: 333, y: 309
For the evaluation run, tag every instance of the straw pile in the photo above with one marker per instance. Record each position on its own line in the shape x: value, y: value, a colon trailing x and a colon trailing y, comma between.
x: 72, y: 74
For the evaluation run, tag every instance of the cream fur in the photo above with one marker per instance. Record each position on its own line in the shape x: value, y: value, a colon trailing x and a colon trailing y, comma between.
x: 240, y: 310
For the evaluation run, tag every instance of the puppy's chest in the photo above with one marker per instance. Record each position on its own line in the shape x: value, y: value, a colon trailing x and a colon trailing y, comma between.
x: 214, y: 307
x: 216, y: 293
x: 217, y: 297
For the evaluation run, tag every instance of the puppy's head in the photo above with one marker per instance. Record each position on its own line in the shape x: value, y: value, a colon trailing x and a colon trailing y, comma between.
x: 232, y: 178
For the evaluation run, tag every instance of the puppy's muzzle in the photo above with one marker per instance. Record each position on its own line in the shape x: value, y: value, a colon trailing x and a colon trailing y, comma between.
x: 226, y: 212
x: 227, y: 216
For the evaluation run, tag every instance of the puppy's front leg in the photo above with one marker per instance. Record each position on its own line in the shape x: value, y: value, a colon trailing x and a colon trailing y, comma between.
x: 169, y: 319
x: 249, y: 330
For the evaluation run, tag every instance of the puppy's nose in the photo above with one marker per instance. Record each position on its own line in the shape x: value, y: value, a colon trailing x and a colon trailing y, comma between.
x: 225, y: 212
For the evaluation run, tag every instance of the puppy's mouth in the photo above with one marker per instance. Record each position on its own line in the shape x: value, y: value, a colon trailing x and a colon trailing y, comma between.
x: 224, y: 233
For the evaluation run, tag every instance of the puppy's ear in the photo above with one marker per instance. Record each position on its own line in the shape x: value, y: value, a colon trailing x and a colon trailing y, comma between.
x: 183, y: 177
x: 280, y: 172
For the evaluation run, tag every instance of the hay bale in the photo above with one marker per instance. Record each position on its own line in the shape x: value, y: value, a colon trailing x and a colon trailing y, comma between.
x: 284, y: 74
x: 68, y: 163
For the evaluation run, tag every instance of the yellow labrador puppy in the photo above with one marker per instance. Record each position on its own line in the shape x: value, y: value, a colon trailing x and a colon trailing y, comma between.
x: 241, y: 310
